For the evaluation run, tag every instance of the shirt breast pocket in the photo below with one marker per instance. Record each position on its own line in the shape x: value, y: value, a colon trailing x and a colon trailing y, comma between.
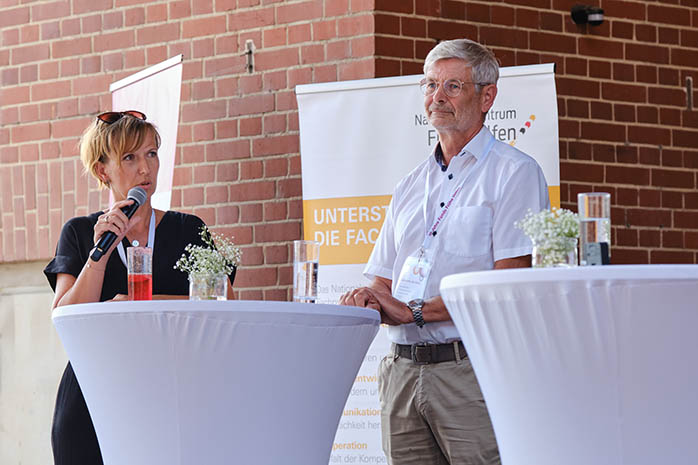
x: 468, y: 232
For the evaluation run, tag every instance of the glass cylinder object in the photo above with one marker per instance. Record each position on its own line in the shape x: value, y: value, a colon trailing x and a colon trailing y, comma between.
x: 555, y: 252
x: 208, y: 286
x: 140, y: 273
x: 306, y: 261
x: 594, y: 210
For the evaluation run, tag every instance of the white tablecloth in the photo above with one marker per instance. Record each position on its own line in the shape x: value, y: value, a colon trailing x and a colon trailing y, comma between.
x: 234, y: 382
x: 593, y: 365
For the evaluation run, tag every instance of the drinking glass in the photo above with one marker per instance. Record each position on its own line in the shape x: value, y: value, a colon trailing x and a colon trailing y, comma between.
x: 594, y: 228
x: 306, y: 260
x: 140, y: 273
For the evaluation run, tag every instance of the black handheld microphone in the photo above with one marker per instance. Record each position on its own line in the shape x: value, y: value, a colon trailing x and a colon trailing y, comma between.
x: 138, y: 195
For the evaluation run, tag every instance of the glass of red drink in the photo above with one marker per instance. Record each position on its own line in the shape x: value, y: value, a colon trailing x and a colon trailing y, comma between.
x: 140, y: 273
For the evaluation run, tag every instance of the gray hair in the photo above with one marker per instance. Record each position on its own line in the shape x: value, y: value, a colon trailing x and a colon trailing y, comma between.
x: 484, y: 65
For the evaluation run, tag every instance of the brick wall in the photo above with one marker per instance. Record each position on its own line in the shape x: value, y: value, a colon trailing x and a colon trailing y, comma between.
x: 238, y: 165
x: 624, y: 127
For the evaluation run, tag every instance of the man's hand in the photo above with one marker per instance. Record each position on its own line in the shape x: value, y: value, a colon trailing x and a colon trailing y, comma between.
x: 393, y: 312
x: 360, y: 297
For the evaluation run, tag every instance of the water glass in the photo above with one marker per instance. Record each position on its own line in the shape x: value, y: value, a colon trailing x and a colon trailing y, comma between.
x: 306, y: 260
x: 594, y: 228
x: 140, y: 273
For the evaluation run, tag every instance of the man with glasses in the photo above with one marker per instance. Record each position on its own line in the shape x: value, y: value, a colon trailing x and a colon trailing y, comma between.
x: 453, y: 213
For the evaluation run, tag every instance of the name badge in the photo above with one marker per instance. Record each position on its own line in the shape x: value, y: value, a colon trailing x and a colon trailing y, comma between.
x: 412, y: 283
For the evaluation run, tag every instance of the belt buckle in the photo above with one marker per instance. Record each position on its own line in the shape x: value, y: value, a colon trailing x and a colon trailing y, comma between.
x: 421, y: 353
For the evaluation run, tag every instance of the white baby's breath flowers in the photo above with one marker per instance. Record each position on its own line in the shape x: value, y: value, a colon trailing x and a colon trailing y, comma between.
x: 219, y: 256
x: 553, y: 233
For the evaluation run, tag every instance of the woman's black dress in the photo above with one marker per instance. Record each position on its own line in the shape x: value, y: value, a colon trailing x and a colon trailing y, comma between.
x: 73, y: 436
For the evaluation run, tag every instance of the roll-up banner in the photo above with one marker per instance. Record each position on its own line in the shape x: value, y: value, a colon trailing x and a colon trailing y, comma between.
x: 357, y: 140
x: 156, y: 91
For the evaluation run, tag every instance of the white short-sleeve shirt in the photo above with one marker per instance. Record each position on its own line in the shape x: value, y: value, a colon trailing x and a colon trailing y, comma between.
x: 479, y: 226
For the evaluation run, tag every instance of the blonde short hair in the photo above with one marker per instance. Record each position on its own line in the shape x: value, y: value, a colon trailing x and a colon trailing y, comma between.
x: 102, y: 142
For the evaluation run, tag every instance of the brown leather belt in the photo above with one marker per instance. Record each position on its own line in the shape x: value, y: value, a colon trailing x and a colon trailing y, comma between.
x: 423, y: 354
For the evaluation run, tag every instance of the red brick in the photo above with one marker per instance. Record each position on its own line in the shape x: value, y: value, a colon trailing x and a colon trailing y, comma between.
x: 226, y: 172
x: 673, y: 178
x: 30, y: 53
x: 50, y: 30
x: 340, y: 50
x: 227, y: 150
x: 312, y: 54
x: 593, y: 47
x: 649, y: 135
x: 394, y: 6
x: 625, y: 9
x: 666, y: 256
x: 448, y: 30
x: 251, y: 170
x: 578, y: 88
x: 276, y: 59
x: 274, y: 124
x: 86, y: 6
x: 14, y: 17
x: 134, y: 16
x: 248, y: 277
x: 684, y: 138
x: 115, y: 41
x: 684, y: 57
x: 623, y: 92
x: 277, y: 232
x: 113, y: 20
x: 251, y: 213
x: 362, y: 69
x: 91, y: 85
x: 650, y: 198
x: 252, y: 19
x: 157, y: 34
x: 671, y: 199
x: 275, y: 167
x: 672, y: 239
x: 275, y: 145
x: 355, y: 25
x: 299, y: 33
x: 624, y: 113
x: 650, y: 238
x: 503, y: 37
x: 668, y: 35
x: 274, y: 211
x: 156, y: 13
x: 192, y: 196
x: 257, y: 190
x: 646, y: 53
x: 585, y: 172
x: 204, y: 173
x: 227, y: 215
x: 30, y: 132
x: 216, y: 194
x: 668, y: 15
x: 625, y: 237
x: 644, y: 217
x: 203, y: 27
x: 252, y: 104
x: 672, y: 158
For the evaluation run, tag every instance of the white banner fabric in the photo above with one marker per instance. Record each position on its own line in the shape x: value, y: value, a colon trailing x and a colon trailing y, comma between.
x: 357, y: 140
x: 155, y: 91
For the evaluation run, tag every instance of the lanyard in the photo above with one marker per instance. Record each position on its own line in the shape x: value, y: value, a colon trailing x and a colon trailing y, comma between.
x: 441, y: 216
x: 151, y: 239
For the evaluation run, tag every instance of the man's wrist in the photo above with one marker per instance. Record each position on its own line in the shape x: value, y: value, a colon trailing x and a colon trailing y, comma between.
x: 416, y: 307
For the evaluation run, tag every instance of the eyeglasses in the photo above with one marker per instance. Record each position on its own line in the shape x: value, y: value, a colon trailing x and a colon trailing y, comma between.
x: 452, y: 87
x: 111, y: 117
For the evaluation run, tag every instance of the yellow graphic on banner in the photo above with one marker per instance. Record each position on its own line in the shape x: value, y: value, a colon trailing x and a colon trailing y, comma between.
x: 554, y: 194
x: 346, y: 227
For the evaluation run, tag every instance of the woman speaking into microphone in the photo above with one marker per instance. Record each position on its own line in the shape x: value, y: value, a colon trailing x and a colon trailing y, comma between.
x: 120, y: 149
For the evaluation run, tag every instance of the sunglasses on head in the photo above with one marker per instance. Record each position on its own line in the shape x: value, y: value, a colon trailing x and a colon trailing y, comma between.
x: 110, y: 117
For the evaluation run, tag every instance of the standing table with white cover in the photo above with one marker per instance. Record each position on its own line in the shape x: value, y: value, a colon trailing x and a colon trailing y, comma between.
x: 180, y: 382
x: 590, y: 365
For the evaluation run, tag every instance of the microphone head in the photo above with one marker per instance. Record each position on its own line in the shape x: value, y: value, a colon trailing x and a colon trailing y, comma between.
x: 138, y: 194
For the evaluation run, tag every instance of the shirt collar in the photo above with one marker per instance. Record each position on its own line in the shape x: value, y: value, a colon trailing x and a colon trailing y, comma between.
x: 475, y: 147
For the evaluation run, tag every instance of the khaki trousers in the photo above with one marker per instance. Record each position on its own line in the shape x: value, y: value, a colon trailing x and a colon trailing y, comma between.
x: 434, y: 414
